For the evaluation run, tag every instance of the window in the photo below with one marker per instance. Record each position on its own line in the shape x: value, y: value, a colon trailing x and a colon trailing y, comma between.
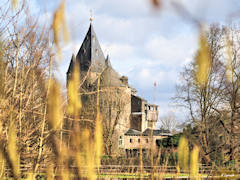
x: 120, y: 141
x: 146, y: 140
x: 130, y: 140
x: 138, y: 140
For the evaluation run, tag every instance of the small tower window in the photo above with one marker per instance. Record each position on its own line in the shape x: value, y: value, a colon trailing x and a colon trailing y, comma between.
x: 130, y: 140
x: 120, y: 141
x: 146, y: 140
x: 139, y: 140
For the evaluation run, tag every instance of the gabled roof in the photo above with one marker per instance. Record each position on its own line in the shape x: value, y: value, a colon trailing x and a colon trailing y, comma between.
x: 156, y: 132
x: 90, y: 53
x: 132, y: 132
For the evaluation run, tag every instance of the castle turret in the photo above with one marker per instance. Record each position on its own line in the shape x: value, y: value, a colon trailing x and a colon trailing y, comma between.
x: 90, y: 55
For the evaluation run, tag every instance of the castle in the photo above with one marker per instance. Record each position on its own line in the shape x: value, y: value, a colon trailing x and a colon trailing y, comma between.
x: 128, y: 119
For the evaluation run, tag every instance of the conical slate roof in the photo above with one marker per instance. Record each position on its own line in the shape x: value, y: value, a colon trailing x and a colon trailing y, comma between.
x: 70, y: 68
x: 110, y: 78
x: 90, y: 54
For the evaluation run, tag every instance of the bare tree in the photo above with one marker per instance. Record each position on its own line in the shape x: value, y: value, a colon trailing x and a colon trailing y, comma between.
x: 25, y: 62
x: 202, y: 101
x: 232, y: 91
x: 169, y: 122
x: 113, y: 103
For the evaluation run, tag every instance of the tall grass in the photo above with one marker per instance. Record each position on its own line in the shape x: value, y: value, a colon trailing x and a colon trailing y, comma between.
x: 85, y: 148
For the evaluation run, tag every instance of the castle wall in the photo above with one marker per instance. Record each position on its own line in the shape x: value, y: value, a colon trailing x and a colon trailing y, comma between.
x: 134, y: 142
x: 136, y: 113
x: 123, y: 122
x: 144, y: 117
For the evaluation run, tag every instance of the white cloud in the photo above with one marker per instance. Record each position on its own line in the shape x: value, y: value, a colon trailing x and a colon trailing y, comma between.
x: 211, y: 11
x: 118, y: 51
x: 171, y: 51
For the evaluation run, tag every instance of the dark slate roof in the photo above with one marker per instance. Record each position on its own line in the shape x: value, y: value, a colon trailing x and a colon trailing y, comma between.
x: 132, y: 132
x: 156, y: 132
x: 90, y: 53
x: 110, y: 78
x: 107, y: 62
x: 139, y: 97
x: 70, y: 68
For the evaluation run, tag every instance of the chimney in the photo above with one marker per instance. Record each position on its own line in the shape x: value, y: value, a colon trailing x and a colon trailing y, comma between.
x: 124, y: 80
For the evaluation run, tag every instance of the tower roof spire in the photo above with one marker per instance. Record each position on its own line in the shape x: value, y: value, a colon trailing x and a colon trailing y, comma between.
x: 90, y: 55
x: 91, y: 16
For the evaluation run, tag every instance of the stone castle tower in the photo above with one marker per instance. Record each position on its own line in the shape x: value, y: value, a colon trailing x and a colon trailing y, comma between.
x: 122, y: 110
x: 90, y: 57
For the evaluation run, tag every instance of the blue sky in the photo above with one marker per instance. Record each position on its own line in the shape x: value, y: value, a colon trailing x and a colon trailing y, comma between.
x: 145, y: 44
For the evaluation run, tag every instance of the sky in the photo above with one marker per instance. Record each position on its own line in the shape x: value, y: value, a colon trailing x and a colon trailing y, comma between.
x: 146, y: 44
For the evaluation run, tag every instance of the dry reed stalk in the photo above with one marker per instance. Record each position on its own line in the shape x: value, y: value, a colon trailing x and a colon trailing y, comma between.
x: 44, y: 119
x: 55, y: 115
x: 183, y: 154
x: 2, y: 74
x: 50, y: 172
x: 229, y: 63
x: 89, y: 154
x: 74, y: 99
x: 141, y: 158
x: 151, y: 153
x: 203, y: 61
x: 30, y: 176
x: 2, y: 160
x: 12, y: 150
x: 14, y: 4
x: 55, y: 118
x: 157, y: 162
x: 60, y: 26
x: 194, y: 168
x: 98, y: 130
x: 2, y: 166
